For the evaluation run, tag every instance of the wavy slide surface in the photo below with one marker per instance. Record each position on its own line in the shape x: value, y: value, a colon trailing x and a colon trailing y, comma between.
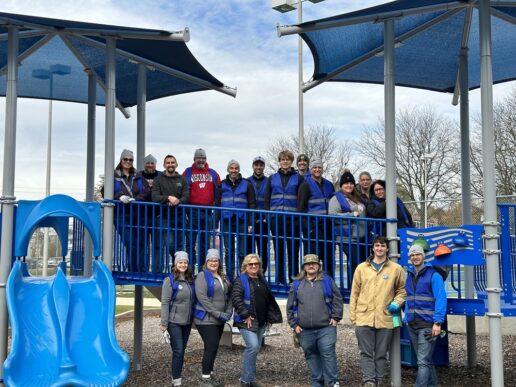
x: 63, y: 330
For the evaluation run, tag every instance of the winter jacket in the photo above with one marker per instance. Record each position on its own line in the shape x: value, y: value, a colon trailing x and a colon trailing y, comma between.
x: 180, y: 310
x: 165, y: 186
x: 139, y: 188
x: 373, y: 290
x: 426, y: 296
x: 235, y: 194
x: 202, y: 185
x: 312, y: 310
x: 377, y: 208
x: 259, y: 185
x: 219, y: 303
x: 237, y: 299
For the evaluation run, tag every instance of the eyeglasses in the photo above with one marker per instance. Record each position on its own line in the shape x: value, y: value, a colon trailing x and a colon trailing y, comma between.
x: 126, y: 159
x: 253, y: 264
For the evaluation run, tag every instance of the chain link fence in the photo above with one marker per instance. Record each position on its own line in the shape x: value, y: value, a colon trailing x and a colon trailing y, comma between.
x: 448, y: 212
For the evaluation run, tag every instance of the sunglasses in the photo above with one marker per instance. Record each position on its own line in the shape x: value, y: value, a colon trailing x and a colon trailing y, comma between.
x: 253, y: 264
x: 126, y: 159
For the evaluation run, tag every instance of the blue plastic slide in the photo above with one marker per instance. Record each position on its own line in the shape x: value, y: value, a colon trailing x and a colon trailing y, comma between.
x: 63, y: 330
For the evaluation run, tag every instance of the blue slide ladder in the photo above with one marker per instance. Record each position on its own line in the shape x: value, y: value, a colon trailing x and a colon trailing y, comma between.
x: 62, y: 328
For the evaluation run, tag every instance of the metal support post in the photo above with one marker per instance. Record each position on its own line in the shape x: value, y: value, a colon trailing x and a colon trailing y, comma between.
x: 390, y: 176
x: 469, y: 290
x: 90, y: 163
x: 8, y: 199
x: 109, y: 153
x: 491, y: 252
x: 300, y: 81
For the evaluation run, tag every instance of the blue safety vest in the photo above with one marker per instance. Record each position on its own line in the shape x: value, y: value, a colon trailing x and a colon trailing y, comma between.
x: 345, y: 207
x: 188, y: 175
x: 284, y: 200
x: 118, y: 185
x: 259, y: 192
x: 236, y: 198
x: 318, y: 201
x: 327, y: 292
x: 247, y: 297
x: 199, y: 311
x: 400, y: 206
x: 420, y: 297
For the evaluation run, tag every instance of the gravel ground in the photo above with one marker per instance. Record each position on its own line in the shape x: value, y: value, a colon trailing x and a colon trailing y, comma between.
x: 280, y: 364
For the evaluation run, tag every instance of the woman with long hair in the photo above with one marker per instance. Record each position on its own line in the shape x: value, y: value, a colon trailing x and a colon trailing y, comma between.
x: 351, y: 233
x: 212, y: 310
x: 177, y: 300
x: 255, y: 310
x: 376, y: 208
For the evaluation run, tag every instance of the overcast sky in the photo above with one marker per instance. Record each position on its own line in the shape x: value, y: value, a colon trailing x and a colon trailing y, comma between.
x: 236, y: 41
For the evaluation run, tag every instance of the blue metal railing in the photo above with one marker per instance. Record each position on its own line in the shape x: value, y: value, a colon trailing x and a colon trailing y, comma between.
x: 148, y: 234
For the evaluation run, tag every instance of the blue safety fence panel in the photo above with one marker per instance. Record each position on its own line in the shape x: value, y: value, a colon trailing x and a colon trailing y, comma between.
x: 148, y: 234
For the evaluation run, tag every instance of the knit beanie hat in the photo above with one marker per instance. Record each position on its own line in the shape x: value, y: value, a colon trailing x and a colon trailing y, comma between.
x: 126, y: 153
x: 200, y: 153
x: 416, y: 249
x: 303, y: 157
x: 180, y: 256
x: 231, y: 162
x: 149, y: 159
x: 213, y: 254
x: 347, y: 177
x: 316, y: 163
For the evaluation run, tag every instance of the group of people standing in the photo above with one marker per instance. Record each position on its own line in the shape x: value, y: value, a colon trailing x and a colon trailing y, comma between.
x: 289, y: 190
x: 380, y: 290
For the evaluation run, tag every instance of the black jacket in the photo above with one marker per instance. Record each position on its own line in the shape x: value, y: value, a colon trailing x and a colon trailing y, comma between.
x: 237, y: 297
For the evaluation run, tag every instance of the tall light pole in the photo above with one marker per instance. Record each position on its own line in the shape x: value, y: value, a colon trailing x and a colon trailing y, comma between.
x: 286, y: 6
x: 425, y: 158
x: 48, y: 74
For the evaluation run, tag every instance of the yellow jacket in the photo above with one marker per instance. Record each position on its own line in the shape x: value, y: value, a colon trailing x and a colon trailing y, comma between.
x: 372, y: 291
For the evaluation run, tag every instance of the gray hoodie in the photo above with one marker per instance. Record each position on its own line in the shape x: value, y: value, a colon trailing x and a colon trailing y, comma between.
x: 178, y: 311
x: 312, y: 310
x: 220, y: 303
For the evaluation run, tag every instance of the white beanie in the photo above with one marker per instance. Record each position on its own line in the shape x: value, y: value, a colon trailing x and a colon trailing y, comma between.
x: 180, y: 256
x: 126, y: 153
x: 149, y: 159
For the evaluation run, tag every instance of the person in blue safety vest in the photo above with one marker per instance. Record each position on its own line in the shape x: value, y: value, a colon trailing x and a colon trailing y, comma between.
x: 314, y: 308
x: 255, y: 310
x: 202, y: 182
x: 281, y: 195
x: 177, y: 301
x: 378, y: 292
x: 211, y: 311
x: 130, y: 186
x: 258, y: 239
x: 238, y: 193
x: 170, y: 190
x: 313, y: 197
x: 425, y: 311
x: 349, y: 232
x: 149, y: 171
x: 377, y: 208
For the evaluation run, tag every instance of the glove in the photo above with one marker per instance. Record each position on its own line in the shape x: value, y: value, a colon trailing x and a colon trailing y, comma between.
x: 224, y: 316
x: 393, y: 308
x: 131, y: 200
x: 125, y: 199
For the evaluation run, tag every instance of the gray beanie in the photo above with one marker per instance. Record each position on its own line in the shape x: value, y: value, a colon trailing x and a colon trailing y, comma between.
x: 149, y: 159
x: 180, y: 256
x: 200, y: 153
x: 213, y: 254
x: 231, y: 162
x: 416, y: 249
x: 316, y: 163
x: 126, y: 153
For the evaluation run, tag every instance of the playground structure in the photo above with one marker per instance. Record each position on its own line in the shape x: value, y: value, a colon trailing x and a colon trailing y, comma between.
x: 491, y: 273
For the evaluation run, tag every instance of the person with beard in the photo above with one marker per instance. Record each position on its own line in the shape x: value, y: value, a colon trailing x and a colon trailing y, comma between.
x: 149, y: 171
x: 170, y: 189
x: 281, y: 195
x: 259, y: 237
x: 234, y: 192
x: 202, y: 182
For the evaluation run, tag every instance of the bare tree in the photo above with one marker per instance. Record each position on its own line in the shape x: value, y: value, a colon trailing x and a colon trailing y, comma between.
x: 320, y: 142
x: 420, y: 133
x: 504, y: 122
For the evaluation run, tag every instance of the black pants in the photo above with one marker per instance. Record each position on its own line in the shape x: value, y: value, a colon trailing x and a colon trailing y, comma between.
x: 286, y: 236
x: 317, y: 239
x: 210, y: 335
x: 258, y: 242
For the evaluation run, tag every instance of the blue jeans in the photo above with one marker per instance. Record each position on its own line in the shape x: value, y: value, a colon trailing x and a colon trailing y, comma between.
x: 426, y: 373
x: 253, y: 343
x: 179, y: 335
x: 319, y: 348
